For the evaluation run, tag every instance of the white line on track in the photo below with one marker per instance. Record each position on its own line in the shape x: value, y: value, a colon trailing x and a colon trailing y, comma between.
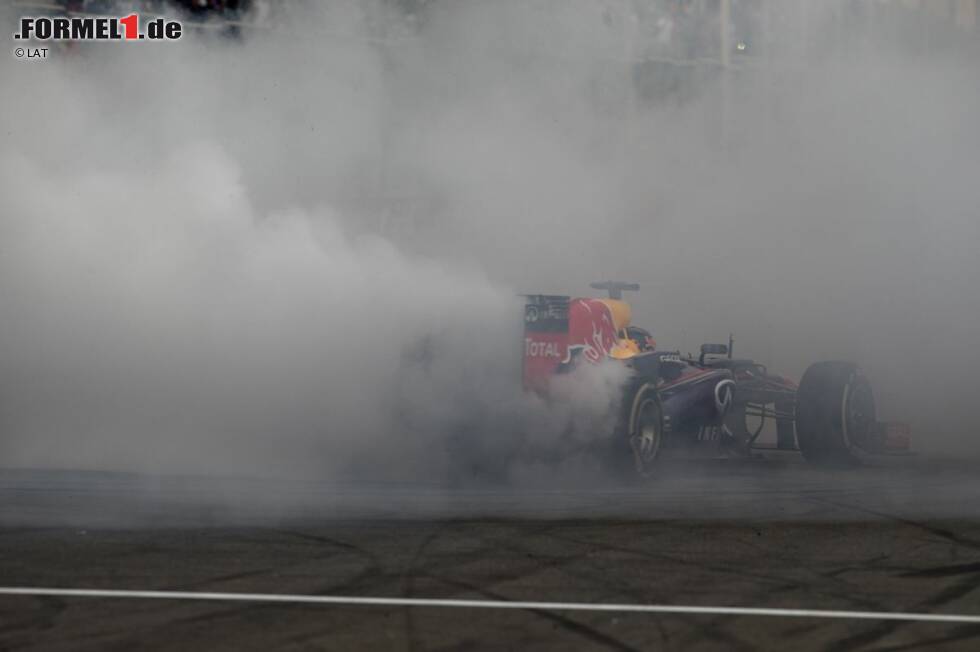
x: 490, y: 604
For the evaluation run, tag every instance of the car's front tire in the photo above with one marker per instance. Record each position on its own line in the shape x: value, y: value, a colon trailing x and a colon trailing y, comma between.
x: 835, y: 413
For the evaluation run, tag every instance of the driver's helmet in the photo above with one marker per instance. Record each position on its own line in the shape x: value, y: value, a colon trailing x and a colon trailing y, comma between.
x: 642, y: 337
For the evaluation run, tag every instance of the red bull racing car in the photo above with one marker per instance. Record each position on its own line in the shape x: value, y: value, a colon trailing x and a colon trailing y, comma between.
x: 675, y: 401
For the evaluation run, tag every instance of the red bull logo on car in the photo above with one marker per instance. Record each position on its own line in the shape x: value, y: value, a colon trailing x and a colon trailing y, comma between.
x: 559, y: 330
x: 590, y: 330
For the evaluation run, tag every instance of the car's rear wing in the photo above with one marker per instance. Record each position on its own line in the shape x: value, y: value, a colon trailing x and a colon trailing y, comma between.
x: 546, y: 322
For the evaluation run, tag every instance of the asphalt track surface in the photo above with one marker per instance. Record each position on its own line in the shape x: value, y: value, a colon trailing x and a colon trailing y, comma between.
x: 898, y: 535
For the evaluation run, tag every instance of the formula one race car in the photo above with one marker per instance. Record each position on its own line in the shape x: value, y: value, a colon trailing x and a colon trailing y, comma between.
x: 673, y: 401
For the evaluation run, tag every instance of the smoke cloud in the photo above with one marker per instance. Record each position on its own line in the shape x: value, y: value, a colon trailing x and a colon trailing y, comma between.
x: 301, y: 251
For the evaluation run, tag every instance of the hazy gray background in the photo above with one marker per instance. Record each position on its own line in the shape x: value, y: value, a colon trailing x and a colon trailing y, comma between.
x: 301, y: 249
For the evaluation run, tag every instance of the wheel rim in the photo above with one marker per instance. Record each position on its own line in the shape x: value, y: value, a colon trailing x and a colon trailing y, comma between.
x: 646, y: 440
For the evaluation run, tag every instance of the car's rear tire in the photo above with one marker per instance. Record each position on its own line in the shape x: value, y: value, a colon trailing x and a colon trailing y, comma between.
x: 835, y: 413
x: 646, y: 431
x: 639, y: 437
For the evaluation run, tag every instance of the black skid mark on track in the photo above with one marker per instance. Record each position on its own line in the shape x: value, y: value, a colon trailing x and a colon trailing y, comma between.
x: 712, y: 631
x: 408, y: 584
x: 944, y: 571
x: 958, y: 635
x: 944, y: 596
x: 940, y: 532
x: 51, y: 608
x: 371, y: 572
x: 359, y: 580
x: 774, y: 580
x: 208, y: 581
x: 865, y: 638
x: 415, y: 569
x: 564, y: 622
x: 606, y: 580
x: 330, y: 541
x: 953, y: 592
